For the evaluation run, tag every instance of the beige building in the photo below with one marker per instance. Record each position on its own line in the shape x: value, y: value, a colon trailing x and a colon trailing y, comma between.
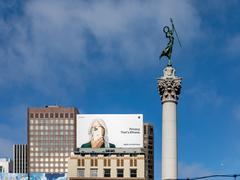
x: 51, y: 138
x: 148, y: 141
x: 103, y: 163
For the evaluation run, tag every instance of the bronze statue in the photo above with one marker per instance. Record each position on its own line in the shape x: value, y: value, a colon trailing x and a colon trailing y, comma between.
x: 170, y: 35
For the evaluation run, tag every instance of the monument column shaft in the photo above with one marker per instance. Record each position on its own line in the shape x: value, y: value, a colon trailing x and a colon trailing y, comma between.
x: 169, y: 141
x: 169, y: 86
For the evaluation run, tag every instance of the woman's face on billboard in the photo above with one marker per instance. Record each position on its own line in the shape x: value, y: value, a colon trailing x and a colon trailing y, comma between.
x: 97, y: 131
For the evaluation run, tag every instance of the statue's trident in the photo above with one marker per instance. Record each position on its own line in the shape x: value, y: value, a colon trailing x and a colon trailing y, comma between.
x: 170, y: 35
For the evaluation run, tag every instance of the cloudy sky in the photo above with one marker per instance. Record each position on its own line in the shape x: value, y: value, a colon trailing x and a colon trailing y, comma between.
x: 102, y: 57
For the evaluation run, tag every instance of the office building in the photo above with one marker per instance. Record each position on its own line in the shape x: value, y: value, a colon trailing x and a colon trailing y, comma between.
x: 5, y: 165
x: 101, y: 163
x: 51, y: 138
x: 149, y: 150
x: 20, y: 158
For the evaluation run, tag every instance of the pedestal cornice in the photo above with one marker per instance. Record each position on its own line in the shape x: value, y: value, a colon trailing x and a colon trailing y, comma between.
x: 169, y: 85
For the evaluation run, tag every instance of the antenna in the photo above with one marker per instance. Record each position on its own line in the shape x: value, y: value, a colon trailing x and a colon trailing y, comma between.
x: 176, y: 33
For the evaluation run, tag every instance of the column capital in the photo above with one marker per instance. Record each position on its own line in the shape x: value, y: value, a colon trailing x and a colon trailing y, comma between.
x: 169, y: 85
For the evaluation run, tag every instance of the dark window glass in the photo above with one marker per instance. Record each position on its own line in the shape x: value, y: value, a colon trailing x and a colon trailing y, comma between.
x: 36, y: 115
x: 131, y: 162
x: 151, y: 130
x: 122, y: 162
x: 120, y: 173
x: 107, y: 173
x: 135, y: 162
x: 41, y: 115
x: 66, y: 115
x: 133, y: 172
x: 51, y: 115
x: 61, y: 115
x: 145, y: 130
x: 71, y: 115
x: 46, y: 115
x: 56, y: 115
x: 31, y: 115
x: 107, y: 162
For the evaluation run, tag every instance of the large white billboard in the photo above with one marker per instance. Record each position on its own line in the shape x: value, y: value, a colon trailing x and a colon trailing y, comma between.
x: 110, y: 130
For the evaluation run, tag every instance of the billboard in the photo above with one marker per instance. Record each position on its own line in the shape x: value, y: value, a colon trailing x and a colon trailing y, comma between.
x: 109, y: 130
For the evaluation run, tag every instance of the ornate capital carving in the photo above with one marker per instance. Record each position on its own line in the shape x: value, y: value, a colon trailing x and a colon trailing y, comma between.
x: 169, y: 85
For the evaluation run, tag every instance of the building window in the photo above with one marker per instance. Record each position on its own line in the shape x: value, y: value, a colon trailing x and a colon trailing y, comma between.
x: 135, y: 162
x: 120, y: 162
x: 120, y: 173
x: 71, y: 115
x: 94, y: 162
x: 80, y: 172
x: 36, y: 115
x: 81, y: 162
x: 133, y: 172
x: 107, y: 173
x: 61, y: 115
x: 151, y: 130
x: 51, y: 115
x: 41, y: 115
x: 66, y: 115
x: 56, y: 115
x: 107, y: 162
x: 31, y: 115
x: 46, y: 115
x: 1, y: 169
x: 93, y: 172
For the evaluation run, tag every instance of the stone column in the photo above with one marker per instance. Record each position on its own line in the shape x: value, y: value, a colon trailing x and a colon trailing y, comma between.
x: 169, y: 87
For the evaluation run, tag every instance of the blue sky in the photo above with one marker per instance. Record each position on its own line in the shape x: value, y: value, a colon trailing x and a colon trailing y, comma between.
x: 102, y: 57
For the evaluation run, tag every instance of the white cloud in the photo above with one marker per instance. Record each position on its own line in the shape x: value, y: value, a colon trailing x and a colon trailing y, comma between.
x: 58, y: 43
